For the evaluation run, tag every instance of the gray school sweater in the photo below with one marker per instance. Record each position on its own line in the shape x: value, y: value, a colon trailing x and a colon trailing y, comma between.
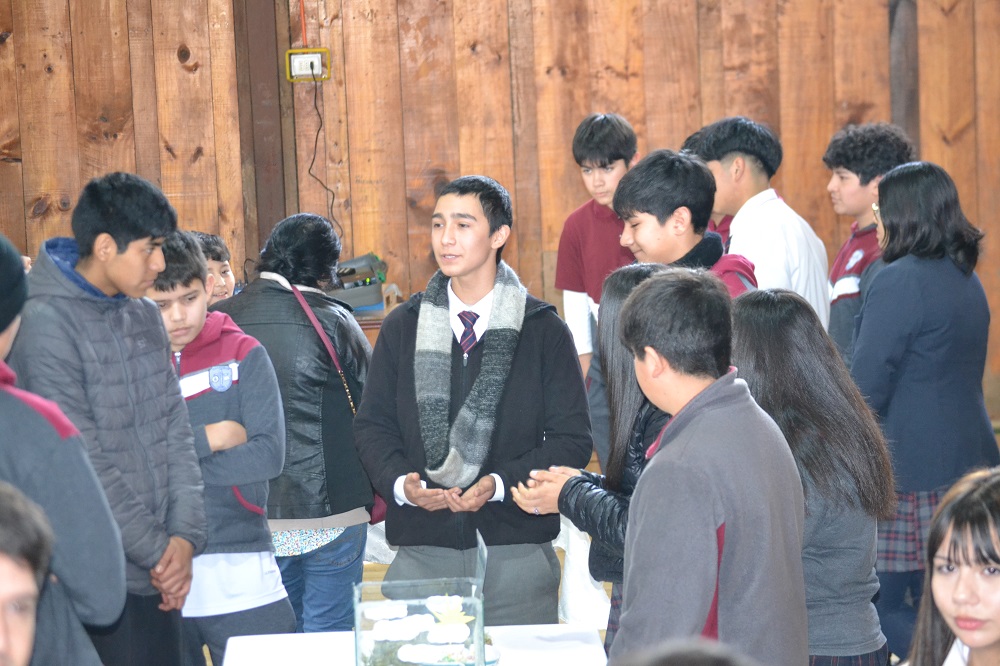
x: 714, y: 541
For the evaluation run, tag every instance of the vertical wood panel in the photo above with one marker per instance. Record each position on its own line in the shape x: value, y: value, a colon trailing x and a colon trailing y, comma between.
x: 430, y: 120
x: 711, y: 61
x: 805, y: 39
x: 338, y: 172
x: 182, y: 52
x: 145, y: 126
x: 11, y: 182
x: 673, y: 102
x: 947, y: 90
x: 104, y: 102
x: 861, y: 63
x: 482, y: 83
x: 615, y: 49
x: 750, y: 59
x: 987, y: 30
x: 378, y: 179
x: 524, y: 105
x: 560, y: 34
x: 226, y: 121
x: 47, y: 109
x: 307, y: 97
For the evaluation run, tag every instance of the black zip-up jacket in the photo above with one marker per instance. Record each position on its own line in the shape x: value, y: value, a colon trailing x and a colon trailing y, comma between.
x: 603, y: 513
x: 322, y: 475
x: 542, y: 420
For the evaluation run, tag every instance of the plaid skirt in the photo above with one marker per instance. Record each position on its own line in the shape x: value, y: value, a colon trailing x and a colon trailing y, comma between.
x: 903, y: 539
x: 613, y: 616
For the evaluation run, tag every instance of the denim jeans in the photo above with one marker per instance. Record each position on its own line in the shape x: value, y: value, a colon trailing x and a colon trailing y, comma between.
x: 320, y: 583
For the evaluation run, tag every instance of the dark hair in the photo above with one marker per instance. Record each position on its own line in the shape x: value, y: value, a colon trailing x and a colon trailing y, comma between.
x: 183, y: 262
x: 737, y: 134
x: 123, y: 205
x: 796, y: 374
x: 624, y: 396
x: 684, y: 315
x: 604, y: 138
x: 303, y: 248
x: 919, y: 206
x: 662, y: 182
x: 971, y: 510
x: 25, y: 533
x: 686, y: 652
x: 869, y: 150
x: 493, y: 197
x: 212, y: 246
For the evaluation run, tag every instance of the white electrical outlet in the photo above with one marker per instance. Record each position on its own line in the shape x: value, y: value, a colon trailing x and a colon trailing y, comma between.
x: 306, y: 65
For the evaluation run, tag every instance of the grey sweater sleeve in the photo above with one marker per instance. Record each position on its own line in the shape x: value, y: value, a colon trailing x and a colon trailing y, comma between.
x: 262, y: 457
x: 671, y: 557
x: 87, y: 555
x: 47, y: 362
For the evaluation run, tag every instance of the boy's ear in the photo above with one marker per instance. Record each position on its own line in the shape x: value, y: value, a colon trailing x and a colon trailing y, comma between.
x: 738, y: 168
x: 680, y: 220
x: 105, y: 247
x: 873, y: 187
x: 655, y: 364
x: 500, y: 237
x: 635, y: 160
x: 209, y: 284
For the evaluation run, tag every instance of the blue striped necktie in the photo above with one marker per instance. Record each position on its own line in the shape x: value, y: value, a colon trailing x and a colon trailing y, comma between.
x: 468, y: 340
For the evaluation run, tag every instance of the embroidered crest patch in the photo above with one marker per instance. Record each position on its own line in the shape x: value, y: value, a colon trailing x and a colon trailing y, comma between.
x: 220, y: 378
x: 855, y: 258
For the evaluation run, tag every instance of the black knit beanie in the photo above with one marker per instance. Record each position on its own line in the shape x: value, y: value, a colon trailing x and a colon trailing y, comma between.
x: 13, y: 285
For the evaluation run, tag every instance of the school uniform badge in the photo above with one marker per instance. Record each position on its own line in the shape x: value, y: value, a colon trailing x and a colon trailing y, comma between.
x: 220, y: 378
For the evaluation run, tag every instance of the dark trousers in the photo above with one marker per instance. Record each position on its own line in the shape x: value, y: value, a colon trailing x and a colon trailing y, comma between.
x: 142, y: 635
x: 521, y: 585
x: 895, y: 612
x: 214, y: 630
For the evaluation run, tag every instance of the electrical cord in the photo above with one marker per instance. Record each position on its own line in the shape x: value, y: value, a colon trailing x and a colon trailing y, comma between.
x: 331, y: 195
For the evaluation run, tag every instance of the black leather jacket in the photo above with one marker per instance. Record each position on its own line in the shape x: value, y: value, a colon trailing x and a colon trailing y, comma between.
x: 322, y: 475
x: 603, y: 513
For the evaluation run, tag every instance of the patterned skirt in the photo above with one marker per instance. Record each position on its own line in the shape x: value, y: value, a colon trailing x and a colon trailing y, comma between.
x: 903, y: 539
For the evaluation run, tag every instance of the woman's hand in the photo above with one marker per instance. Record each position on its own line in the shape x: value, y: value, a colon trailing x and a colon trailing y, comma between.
x: 541, y: 494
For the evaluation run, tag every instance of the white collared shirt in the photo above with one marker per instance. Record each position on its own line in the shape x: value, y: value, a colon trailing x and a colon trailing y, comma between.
x: 482, y: 307
x: 785, y: 251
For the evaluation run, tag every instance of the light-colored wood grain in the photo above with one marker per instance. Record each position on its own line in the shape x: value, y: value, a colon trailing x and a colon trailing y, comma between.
x: 226, y: 121
x: 482, y: 77
x: 47, y: 111
x: 11, y: 182
x: 524, y: 108
x: 375, y: 130
x: 561, y: 84
x: 947, y: 91
x: 672, y: 85
x: 616, y: 49
x: 431, y: 120
x: 145, y: 125
x: 183, y: 64
x: 805, y: 34
x: 104, y: 104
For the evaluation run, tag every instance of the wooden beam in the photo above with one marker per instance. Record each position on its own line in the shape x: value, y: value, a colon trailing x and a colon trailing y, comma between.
x: 145, y: 124
x: 672, y: 82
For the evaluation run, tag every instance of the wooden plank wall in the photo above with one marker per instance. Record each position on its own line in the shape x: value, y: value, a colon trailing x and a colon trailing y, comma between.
x: 422, y: 91
x: 147, y: 86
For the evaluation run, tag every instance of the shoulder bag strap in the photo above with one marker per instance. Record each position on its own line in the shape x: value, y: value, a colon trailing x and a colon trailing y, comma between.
x: 326, y: 343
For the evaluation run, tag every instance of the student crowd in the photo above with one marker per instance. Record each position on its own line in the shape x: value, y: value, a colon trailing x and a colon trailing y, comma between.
x: 778, y: 440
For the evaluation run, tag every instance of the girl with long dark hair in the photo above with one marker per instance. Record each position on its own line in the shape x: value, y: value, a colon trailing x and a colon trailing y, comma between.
x: 919, y: 356
x: 598, y: 504
x: 959, y: 619
x: 796, y: 375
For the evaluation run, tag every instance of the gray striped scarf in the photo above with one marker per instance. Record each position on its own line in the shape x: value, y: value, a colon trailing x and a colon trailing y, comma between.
x: 455, y: 455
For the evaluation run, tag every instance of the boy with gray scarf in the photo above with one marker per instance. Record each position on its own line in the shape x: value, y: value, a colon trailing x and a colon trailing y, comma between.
x: 473, y: 384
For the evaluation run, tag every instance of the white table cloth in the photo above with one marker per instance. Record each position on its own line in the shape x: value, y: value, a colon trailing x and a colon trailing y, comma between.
x: 523, y: 645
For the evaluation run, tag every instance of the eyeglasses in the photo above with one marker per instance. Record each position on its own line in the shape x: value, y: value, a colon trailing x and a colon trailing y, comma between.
x: 878, y: 214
